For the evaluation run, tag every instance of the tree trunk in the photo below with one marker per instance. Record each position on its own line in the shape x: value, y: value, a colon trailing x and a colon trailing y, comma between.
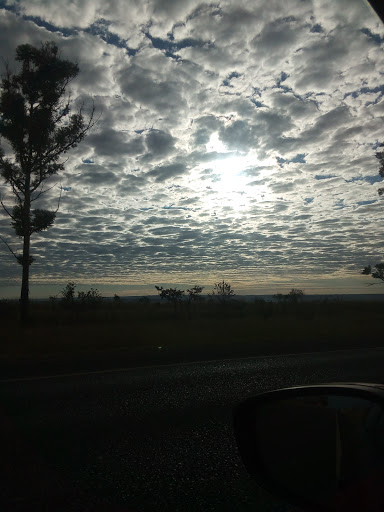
x: 24, y: 296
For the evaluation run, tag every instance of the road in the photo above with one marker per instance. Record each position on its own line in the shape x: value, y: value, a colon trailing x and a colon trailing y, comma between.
x: 152, y: 438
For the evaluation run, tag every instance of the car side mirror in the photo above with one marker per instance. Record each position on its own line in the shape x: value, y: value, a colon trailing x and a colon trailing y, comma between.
x: 319, y: 447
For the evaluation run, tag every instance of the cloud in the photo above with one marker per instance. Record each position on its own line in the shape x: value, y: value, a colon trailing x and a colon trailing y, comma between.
x: 234, y: 139
x: 165, y: 172
x: 95, y: 175
x: 110, y: 142
x: 139, y: 85
x: 160, y: 144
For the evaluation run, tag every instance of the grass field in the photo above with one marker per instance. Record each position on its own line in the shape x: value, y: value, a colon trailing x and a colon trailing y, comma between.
x: 281, y: 326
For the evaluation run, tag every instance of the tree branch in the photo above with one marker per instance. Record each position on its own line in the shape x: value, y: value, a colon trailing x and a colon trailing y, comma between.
x: 15, y: 184
x: 58, y: 202
x: 16, y: 190
x: 9, y: 248
x: 12, y: 217
x: 52, y: 154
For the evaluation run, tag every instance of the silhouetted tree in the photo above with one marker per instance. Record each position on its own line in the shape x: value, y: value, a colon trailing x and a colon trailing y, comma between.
x: 68, y: 294
x: 377, y: 271
x: 171, y: 295
x: 295, y: 294
x: 194, y: 293
x: 380, y: 156
x: 194, y: 300
x: 91, y: 297
x: 222, y: 292
x: 36, y: 120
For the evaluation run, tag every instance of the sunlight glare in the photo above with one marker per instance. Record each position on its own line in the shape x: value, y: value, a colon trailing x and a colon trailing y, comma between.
x: 215, y: 144
x: 230, y: 179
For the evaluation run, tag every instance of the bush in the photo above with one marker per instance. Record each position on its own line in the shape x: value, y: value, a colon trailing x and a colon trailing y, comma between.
x: 90, y: 298
x: 222, y: 291
x: 68, y: 294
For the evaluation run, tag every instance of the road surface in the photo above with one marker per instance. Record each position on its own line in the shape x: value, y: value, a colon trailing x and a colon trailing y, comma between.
x: 144, y: 439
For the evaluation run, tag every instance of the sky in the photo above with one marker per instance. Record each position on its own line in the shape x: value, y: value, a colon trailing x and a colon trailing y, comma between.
x: 236, y: 141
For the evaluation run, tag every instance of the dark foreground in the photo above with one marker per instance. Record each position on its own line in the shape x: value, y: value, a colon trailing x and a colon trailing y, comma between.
x: 146, y: 439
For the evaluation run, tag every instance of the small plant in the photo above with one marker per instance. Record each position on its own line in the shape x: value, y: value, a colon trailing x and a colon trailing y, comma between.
x: 53, y: 300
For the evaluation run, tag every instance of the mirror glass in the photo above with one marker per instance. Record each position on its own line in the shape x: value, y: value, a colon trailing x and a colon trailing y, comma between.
x: 322, y: 448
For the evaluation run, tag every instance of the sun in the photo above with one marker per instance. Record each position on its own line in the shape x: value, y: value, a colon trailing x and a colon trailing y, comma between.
x: 229, y: 175
x: 230, y: 181
x: 215, y: 144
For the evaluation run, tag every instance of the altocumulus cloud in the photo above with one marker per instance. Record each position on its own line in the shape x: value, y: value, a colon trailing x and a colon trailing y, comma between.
x: 236, y: 140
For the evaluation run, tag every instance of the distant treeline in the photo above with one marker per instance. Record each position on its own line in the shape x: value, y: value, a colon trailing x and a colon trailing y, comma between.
x: 89, y: 323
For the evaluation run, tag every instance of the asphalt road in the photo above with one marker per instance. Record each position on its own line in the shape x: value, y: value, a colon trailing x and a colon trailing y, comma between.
x: 145, y: 439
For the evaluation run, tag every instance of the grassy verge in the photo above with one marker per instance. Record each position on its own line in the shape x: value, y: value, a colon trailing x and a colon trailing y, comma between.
x: 282, y: 327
